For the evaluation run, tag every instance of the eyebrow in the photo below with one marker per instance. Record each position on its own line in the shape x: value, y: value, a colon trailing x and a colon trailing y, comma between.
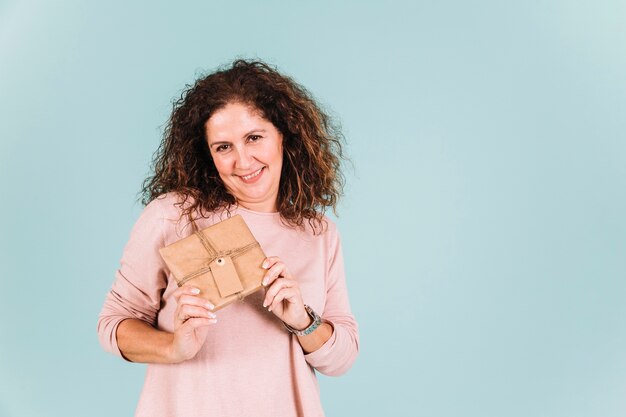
x: 221, y: 142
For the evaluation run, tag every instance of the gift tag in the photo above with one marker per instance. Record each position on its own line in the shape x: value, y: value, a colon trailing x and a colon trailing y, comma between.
x: 226, y: 277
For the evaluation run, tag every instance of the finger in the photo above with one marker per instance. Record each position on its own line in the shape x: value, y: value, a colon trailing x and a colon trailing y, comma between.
x: 186, y: 289
x: 195, y: 322
x: 277, y: 270
x: 286, y: 294
x: 188, y: 295
x: 275, y: 288
x: 187, y: 311
x: 195, y: 300
x: 269, y: 261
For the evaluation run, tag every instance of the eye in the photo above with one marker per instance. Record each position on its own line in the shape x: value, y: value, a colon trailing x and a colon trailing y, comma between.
x: 222, y: 148
x: 254, y: 138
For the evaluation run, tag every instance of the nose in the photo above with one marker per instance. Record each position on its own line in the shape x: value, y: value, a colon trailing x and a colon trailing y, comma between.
x: 244, y: 159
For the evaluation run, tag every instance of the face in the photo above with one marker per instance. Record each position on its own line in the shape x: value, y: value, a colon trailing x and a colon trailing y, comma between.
x: 248, y: 153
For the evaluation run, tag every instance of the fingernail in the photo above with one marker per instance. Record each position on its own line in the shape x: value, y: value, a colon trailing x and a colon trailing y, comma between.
x: 264, y: 264
x: 210, y: 306
x: 264, y: 281
x: 269, y: 309
x: 211, y: 315
x: 195, y: 291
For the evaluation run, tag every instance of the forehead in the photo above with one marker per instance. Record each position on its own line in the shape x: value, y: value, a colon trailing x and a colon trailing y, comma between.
x: 234, y: 119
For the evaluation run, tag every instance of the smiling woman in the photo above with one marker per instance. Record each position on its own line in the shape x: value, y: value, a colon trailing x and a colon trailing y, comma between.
x: 248, y: 154
x: 311, y: 179
x: 244, y: 140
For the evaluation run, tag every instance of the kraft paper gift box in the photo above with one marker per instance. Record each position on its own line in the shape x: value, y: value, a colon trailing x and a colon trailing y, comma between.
x: 223, y: 261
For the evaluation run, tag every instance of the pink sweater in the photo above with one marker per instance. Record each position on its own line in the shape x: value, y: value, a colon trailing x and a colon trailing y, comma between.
x: 250, y: 365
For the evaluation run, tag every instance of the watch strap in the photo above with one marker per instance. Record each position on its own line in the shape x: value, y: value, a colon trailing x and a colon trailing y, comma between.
x: 317, y: 320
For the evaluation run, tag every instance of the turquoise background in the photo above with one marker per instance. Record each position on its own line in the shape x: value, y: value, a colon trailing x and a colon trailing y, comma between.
x: 484, y: 219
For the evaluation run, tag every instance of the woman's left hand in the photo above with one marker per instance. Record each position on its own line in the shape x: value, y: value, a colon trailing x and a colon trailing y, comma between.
x: 282, y: 296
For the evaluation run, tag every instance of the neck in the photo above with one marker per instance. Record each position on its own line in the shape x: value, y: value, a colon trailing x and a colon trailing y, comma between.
x: 260, y: 206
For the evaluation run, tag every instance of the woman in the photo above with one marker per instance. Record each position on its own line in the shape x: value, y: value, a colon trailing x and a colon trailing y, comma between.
x: 243, y: 140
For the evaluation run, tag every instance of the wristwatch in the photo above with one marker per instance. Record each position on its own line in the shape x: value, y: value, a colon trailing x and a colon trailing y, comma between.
x: 317, y: 320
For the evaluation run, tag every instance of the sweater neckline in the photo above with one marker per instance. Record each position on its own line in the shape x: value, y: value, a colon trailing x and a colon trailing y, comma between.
x: 258, y: 213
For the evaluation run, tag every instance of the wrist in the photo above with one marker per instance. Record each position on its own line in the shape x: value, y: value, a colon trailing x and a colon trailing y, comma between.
x: 303, y: 322
x: 172, y: 354
x: 314, y: 321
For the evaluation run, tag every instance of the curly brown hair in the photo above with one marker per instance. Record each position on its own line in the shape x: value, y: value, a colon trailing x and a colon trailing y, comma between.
x: 311, y: 179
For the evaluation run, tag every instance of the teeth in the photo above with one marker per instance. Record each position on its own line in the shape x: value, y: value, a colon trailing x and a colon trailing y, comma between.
x: 254, y: 174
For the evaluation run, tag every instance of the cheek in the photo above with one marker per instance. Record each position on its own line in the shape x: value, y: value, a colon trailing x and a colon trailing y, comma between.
x: 278, y: 152
x: 221, y: 165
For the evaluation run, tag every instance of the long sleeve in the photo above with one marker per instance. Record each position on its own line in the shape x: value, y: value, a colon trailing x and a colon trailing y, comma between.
x: 139, y: 281
x: 339, y: 352
x: 248, y: 350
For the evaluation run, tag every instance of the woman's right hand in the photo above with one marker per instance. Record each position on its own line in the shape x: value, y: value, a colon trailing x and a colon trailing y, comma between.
x: 192, y: 317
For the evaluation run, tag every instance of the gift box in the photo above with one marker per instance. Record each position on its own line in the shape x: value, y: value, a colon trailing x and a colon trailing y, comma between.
x: 224, y: 261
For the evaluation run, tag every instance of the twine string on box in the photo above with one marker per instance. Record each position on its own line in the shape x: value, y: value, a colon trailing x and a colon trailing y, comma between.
x: 214, y: 254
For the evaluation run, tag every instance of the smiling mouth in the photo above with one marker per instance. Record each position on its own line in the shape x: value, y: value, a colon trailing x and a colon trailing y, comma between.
x: 252, y: 175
